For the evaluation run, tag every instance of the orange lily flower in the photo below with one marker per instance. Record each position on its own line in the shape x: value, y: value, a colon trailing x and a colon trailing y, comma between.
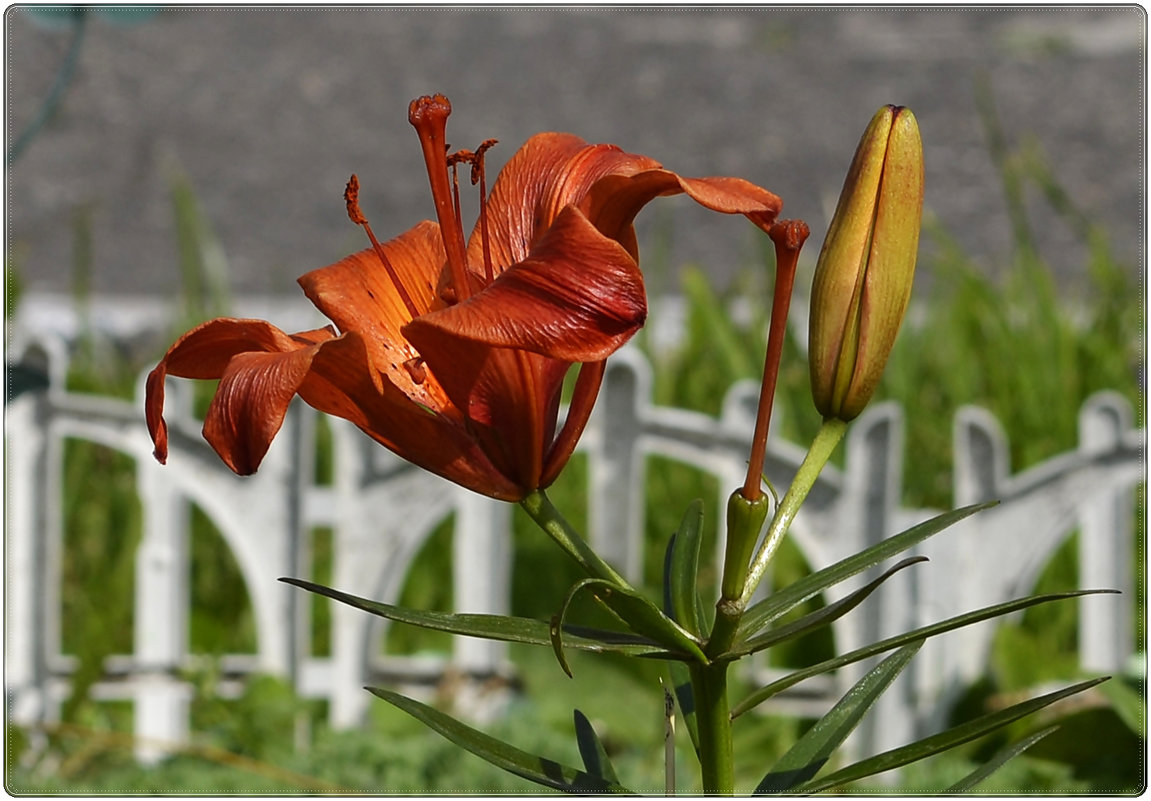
x: 452, y: 353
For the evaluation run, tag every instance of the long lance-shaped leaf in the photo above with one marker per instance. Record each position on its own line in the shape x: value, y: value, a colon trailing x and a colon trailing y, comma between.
x: 930, y: 746
x: 820, y: 617
x: 681, y: 567
x: 634, y: 611
x: 503, y: 755
x: 760, y: 614
x: 591, y: 750
x: 495, y: 627
x: 811, y: 752
x: 1002, y: 757
x: 899, y: 640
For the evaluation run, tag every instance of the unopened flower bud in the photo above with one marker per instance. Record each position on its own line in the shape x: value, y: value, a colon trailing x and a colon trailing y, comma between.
x: 863, y: 276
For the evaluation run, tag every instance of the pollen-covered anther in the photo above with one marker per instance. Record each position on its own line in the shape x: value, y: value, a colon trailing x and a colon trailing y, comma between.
x: 352, y: 200
x: 478, y: 160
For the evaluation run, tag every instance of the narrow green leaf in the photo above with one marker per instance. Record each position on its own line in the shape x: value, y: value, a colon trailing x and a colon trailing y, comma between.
x: 763, y: 693
x: 811, y: 752
x: 591, y: 750
x: 495, y: 627
x: 634, y: 611
x: 759, y: 615
x: 680, y: 676
x: 820, y: 617
x: 681, y: 570
x: 969, y: 782
x: 929, y: 746
x: 529, y: 766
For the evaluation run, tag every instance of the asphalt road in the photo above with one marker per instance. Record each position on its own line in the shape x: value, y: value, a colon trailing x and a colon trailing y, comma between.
x: 267, y: 111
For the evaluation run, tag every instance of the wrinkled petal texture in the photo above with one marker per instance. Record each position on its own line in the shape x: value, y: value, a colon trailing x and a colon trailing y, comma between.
x: 260, y: 369
x: 438, y: 441
x: 551, y: 171
x: 577, y: 297
x: 358, y: 294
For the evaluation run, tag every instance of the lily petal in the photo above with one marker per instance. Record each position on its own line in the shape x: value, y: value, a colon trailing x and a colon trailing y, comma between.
x: 358, y: 294
x: 577, y: 297
x: 615, y: 200
x: 550, y: 171
x: 250, y: 403
x: 205, y: 352
x: 439, y: 441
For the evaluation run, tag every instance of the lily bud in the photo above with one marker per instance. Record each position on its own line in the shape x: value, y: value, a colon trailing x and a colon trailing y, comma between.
x: 863, y: 276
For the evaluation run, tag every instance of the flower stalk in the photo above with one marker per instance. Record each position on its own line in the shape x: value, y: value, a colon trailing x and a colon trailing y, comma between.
x: 713, y: 716
x: 828, y: 436
x: 540, y: 508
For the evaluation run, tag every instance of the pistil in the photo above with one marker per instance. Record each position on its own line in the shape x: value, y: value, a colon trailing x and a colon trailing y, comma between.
x: 429, y: 116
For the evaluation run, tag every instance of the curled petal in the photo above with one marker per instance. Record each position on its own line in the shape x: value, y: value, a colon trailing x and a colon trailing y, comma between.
x: 250, y: 403
x: 205, y: 352
x: 615, y: 200
x: 577, y: 297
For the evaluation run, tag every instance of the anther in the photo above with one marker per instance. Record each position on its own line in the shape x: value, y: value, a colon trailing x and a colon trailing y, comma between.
x: 352, y: 201
x: 478, y: 177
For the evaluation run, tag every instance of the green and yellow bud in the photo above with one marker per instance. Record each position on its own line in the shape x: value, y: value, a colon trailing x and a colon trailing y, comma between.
x: 863, y: 276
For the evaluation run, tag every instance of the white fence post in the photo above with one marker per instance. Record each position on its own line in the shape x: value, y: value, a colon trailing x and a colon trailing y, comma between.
x: 160, y: 625
x: 1105, y: 544
x: 30, y: 592
x: 481, y: 575
x: 617, y: 465
x: 873, y: 479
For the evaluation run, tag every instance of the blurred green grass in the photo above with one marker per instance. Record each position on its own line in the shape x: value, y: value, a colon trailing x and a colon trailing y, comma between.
x: 1020, y: 346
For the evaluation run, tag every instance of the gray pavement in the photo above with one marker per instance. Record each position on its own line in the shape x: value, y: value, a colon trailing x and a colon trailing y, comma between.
x: 267, y: 112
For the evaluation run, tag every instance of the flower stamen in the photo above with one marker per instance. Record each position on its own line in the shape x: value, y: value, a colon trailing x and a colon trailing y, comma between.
x: 478, y: 177
x: 429, y: 116
x: 352, y: 201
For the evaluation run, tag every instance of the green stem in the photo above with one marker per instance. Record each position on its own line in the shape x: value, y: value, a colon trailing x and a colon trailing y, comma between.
x: 548, y: 518
x: 713, y: 717
x: 829, y: 435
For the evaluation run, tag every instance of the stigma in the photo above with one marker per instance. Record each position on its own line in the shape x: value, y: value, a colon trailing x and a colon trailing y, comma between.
x: 429, y: 116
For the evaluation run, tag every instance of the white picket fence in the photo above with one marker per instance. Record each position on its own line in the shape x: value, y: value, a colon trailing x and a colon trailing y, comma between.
x: 381, y: 510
